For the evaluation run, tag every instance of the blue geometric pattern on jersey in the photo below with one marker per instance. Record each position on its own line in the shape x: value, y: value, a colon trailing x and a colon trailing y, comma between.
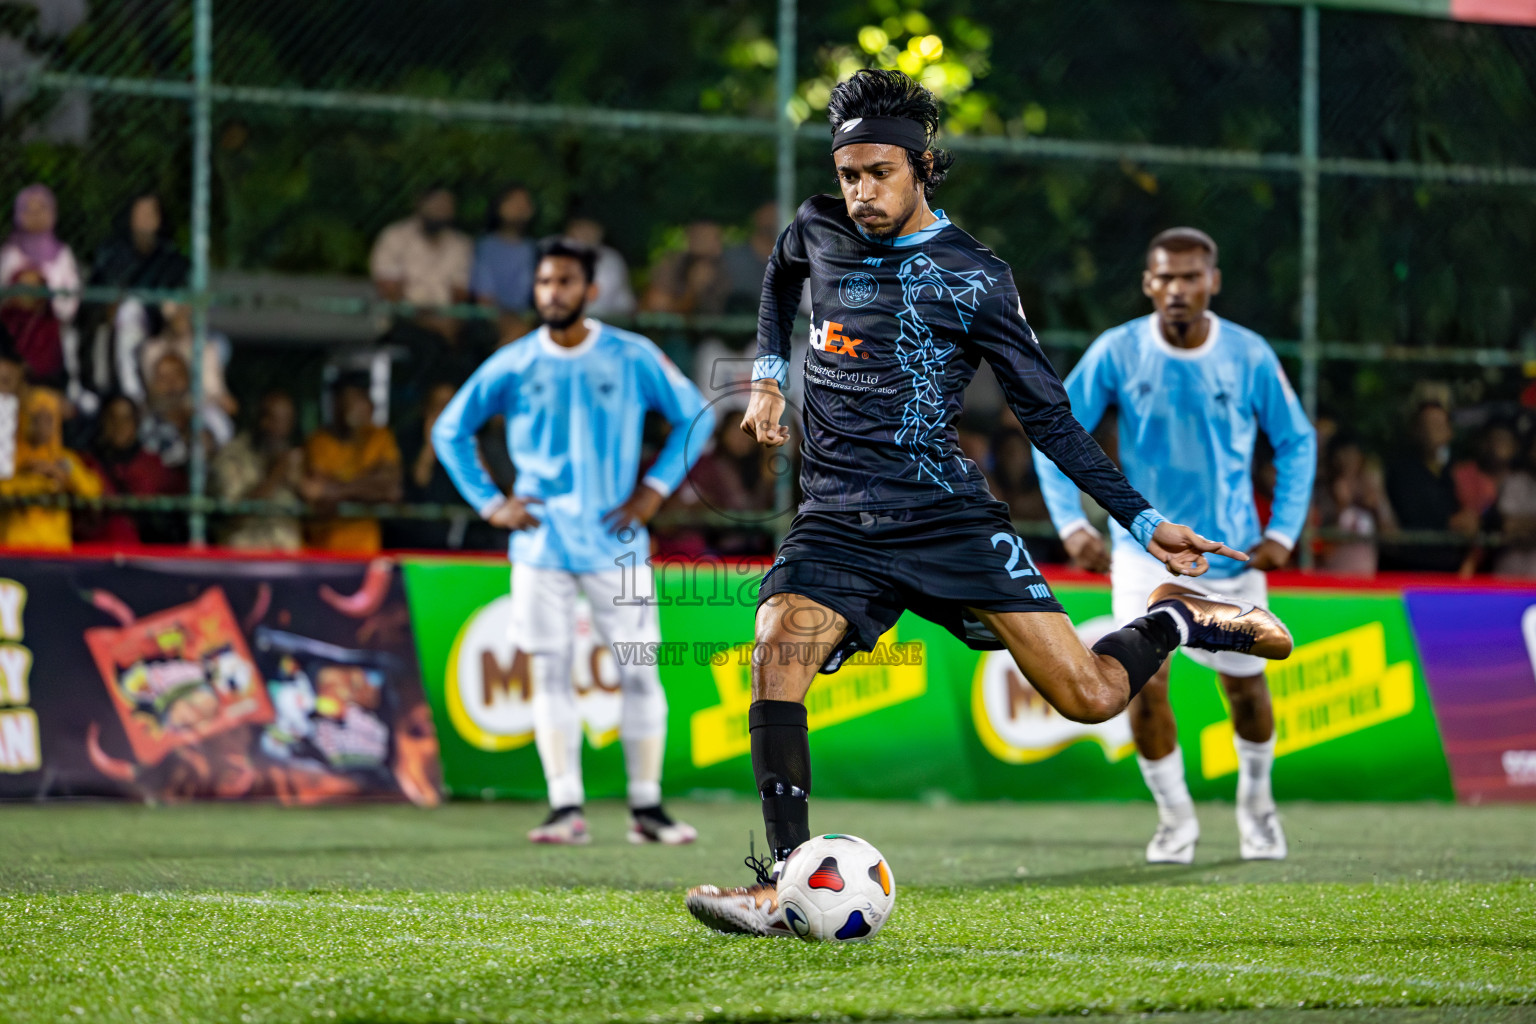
x: 924, y: 357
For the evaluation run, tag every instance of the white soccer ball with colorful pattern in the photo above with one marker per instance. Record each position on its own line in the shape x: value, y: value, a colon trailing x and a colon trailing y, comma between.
x: 836, y: 889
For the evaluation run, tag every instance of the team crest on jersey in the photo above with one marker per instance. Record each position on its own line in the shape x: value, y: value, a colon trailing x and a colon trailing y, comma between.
x: 858, y: 289
x: 829, y: 337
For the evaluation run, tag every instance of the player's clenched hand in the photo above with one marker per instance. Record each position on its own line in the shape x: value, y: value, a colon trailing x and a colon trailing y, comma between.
x: 514, y: 514
x: 764, y: 411
x: 637, y: 510
x: 1086, y: 549
x: 1183, y: 550
x: 1271, y: 554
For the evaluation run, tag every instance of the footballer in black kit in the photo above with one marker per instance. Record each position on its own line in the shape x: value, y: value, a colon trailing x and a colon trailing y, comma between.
x: 905, y: 307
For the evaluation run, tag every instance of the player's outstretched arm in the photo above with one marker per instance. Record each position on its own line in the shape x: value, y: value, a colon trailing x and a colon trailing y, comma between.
x: 764, y: 411
x: 1183, y: 550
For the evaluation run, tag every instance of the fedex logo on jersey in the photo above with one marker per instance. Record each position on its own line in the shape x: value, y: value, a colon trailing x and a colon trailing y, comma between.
x: 829, y: 337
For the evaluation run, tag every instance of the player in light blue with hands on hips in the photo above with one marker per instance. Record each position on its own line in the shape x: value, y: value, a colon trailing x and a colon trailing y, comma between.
x: 575, y: 394
x: 1193, y: 391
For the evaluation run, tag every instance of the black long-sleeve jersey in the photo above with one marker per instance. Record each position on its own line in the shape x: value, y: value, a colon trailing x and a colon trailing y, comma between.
x: 898, y: 329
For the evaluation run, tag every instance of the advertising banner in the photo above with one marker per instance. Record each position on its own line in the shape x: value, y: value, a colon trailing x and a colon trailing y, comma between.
x: 1479, y: 651
x: 923, y: 715
x: 173, y: 679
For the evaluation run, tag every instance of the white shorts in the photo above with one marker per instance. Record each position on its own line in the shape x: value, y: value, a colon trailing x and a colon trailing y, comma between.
x: 1133, y: 577
x: 544, y: 606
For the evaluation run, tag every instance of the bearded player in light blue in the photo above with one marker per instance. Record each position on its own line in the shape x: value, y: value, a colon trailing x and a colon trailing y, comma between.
x: 1193, y: 391
x: 575, y: 394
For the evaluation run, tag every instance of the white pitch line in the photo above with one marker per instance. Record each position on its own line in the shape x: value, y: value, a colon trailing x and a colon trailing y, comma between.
x: 1199, y: 967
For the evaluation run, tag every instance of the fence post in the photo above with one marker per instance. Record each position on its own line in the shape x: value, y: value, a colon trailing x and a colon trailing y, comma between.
x: 202, y: 115
x: 1309, y: 215
x: 784, y: 91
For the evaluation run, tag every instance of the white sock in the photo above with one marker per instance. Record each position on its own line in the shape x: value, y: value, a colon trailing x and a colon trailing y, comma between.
x: 1254, y: 761
x: 643, y: 729
x: 1165, y: 778
x: 557, y: 727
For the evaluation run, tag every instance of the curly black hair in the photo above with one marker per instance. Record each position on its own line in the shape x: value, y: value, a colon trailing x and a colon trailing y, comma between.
x: 872, y: 92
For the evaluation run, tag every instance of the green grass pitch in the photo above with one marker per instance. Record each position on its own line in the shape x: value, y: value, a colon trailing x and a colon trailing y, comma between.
x: 1383, y: 915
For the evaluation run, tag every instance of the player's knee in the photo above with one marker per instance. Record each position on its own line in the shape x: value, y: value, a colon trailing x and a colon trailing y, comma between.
x: 1094, y: 699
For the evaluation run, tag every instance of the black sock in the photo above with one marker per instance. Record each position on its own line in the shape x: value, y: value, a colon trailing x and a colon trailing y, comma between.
x: 1142, y: 647
x: 781, y: 763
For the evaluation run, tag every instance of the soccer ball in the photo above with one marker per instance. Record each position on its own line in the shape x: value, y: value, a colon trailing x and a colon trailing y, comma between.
x: 836, y: 888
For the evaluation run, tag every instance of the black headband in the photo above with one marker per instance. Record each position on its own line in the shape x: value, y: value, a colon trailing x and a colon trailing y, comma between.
x: 891, y: 131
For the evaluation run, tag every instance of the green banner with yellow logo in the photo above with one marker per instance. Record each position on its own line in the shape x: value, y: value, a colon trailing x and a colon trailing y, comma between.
x: 923, y: 715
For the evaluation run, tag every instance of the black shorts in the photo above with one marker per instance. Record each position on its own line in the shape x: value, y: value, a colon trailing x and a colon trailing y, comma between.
x: 938, y: 561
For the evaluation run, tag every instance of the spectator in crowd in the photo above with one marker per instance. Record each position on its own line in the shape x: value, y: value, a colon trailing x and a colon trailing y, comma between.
x: 1479, y: 479
x: 693, y: 280
x: 33, y: 255
x: 615, y: 297
x: 176, y: 336
x: 351, y: 460
x: 126, y: 468
x: 746, y: 263
x: 1423, y: 494
x: 425, y: 261
x: 166, y: 429
x: 43, y: 467
x: 426, y: 482
x: 1351, y: 499
x: 505, y: 259
x: 13, y: 387
x: 731, y: 478
x: 264, y: 464
x: 1516, y: 519
x: 140, y: 254
x: 34, y: 329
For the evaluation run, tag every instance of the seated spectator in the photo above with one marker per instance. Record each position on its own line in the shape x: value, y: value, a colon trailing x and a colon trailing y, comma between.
x: 1516, y: 519
x: 425, y: 261
x: 126, y: 468
x: 746, y: 263
x: 427, y: 483
x: 34, y: 329
x: 505, y: 259
x: 615, y: 297
x: 351, y: 460
x: 1479, y: 479
x: 693, y: 280
x: 1351, y: 499
x: 1422, y: 493
x: 264, y: 464
x: 13, y: 387
x: 166, y: 428
x: 732, y: 478
x: 140, y: 254
x: 176, y: 336
x: 43, y: 467
x: 34, y: 255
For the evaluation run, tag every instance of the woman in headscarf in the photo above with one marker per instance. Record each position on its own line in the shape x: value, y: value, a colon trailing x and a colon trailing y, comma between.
x: 43, y: 466
x: 34, y: 256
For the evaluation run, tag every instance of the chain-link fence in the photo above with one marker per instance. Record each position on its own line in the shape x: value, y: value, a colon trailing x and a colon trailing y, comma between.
x: 1370, y: 176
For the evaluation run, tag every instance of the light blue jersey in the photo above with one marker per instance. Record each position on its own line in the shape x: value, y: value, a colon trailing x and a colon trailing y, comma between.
x: 574, y: 422
x: 1188, y: 422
